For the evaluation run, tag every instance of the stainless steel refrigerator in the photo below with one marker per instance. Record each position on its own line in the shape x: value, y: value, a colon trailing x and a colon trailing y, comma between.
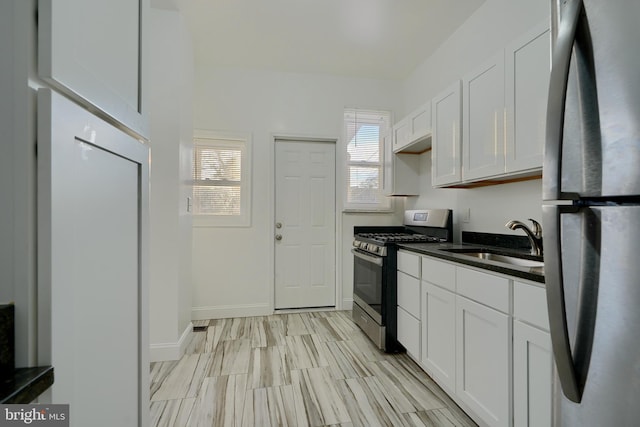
x: 591, y: 212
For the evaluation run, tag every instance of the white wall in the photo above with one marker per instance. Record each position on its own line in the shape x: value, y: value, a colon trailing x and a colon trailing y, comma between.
x: 171, y: 64
x: 487, y: 31
x: 232, y: 267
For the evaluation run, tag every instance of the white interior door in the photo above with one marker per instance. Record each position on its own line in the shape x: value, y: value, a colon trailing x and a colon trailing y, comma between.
x: 305, y: 224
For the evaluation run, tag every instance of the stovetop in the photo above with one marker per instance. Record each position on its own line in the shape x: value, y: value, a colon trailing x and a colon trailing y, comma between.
x: 420, y: 226
x: 401, y: 237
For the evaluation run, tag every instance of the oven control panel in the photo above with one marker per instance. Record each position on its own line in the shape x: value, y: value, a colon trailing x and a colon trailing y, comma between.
x: 427, y: 217
x: 370, y: 247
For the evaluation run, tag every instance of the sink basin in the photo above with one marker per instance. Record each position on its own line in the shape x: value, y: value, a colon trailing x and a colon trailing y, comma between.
x: 505, y: 259
x: 535, y: 266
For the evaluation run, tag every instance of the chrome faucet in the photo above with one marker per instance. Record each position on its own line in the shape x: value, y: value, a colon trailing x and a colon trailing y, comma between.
x: 535, y: 235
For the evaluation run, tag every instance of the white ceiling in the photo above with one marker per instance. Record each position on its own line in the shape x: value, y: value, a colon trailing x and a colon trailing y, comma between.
x: 363, y: 38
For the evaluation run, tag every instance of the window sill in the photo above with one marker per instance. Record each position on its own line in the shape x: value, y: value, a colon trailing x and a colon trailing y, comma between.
x: 368, y: 211
x: 204, y: 221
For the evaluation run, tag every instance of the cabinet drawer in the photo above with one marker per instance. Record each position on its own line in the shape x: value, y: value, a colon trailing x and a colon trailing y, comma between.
x: 484, y: 288
x: 409, y: 263
x: 530, y: 304
x: 439, y: 273
x: 409, y: 294
x: 409, y: 333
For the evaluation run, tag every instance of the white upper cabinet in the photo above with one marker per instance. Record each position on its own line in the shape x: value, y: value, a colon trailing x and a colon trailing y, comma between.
x: 504, y: 105
x: 526, y: 88
x: 400, y: 134
x: 401, y: 171
x: 446, y: 139
x: 412, y: 134
x: 483, y: 120
x: 92, y: 50
x: 420, y: 122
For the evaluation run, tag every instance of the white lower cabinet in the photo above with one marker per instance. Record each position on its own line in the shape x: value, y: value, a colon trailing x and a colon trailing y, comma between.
x: 409, y: 333
x: 483, y: 357
x: 532, y: 373
x: 532, y: 357
x: 438, y: 354
x: 408, y: 318
x: 483, y: 337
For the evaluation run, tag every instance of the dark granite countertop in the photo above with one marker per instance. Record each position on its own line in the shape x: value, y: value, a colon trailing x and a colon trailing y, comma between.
x: 441, y: 250
x: 25, y: 384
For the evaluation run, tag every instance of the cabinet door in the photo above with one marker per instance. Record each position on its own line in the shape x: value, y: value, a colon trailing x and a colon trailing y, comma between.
x: 483, y: 118
x: 92, y: 50
x: 420, y: 122
x: 401, y: 134
x: 483, y: 354
x: 409, y: 333
x: 446, y: 139
x: 438, y: 355
x: 92, y: 257
x: 387, y: 178
x: 527, y: 85
x: 532, y: 376
x: 401, y: 171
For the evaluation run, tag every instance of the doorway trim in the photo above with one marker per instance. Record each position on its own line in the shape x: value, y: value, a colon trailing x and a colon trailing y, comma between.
x: 272, y: 212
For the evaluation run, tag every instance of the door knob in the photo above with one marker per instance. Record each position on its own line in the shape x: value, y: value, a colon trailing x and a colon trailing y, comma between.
x: 278, y: 225
x: 278, y: 236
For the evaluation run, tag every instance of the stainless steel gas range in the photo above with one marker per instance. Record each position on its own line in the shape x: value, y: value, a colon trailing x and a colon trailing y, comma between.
x: 374, y: 270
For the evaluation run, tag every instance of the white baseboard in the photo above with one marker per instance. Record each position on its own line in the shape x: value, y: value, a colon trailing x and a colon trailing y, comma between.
x: 171, y: 351
x: 226, y: 311
x: 347, y: 303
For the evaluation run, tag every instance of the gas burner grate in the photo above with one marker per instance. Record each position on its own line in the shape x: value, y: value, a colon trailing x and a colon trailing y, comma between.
x: 398, y: 237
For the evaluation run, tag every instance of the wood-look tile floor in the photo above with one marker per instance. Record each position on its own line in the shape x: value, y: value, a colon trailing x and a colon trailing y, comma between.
x: 302, y: 369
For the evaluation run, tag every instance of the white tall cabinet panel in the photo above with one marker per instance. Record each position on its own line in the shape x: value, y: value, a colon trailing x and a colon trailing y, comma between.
x: 483, y: 118
x: 92, y: 265
x: 93, y: 51
x: 446, y: 138
x: 526, y: 86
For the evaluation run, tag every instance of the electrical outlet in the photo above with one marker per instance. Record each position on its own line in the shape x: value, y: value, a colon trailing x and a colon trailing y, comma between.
x: 466, y: 215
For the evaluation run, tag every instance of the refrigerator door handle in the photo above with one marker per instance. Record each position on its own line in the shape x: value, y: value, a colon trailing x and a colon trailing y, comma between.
x: 556, y: 301
x: 551, y: 180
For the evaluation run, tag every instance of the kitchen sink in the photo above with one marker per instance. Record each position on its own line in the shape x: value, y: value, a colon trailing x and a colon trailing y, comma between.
x: 505, y: 259
x: 510, y: 260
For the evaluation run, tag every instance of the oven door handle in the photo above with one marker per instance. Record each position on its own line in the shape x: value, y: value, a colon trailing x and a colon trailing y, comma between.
x: 373, y: 259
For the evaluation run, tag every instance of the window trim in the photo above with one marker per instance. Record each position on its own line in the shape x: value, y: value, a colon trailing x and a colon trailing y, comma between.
x: 231, y: 140
x: 386, y: 204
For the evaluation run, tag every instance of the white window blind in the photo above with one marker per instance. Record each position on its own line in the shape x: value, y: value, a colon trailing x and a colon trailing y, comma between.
x: 220, y: 181
x: 364, y: 130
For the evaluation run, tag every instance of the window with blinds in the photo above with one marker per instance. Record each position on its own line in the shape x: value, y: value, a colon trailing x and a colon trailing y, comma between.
x: 364, y: 130
x: 220, y: 181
